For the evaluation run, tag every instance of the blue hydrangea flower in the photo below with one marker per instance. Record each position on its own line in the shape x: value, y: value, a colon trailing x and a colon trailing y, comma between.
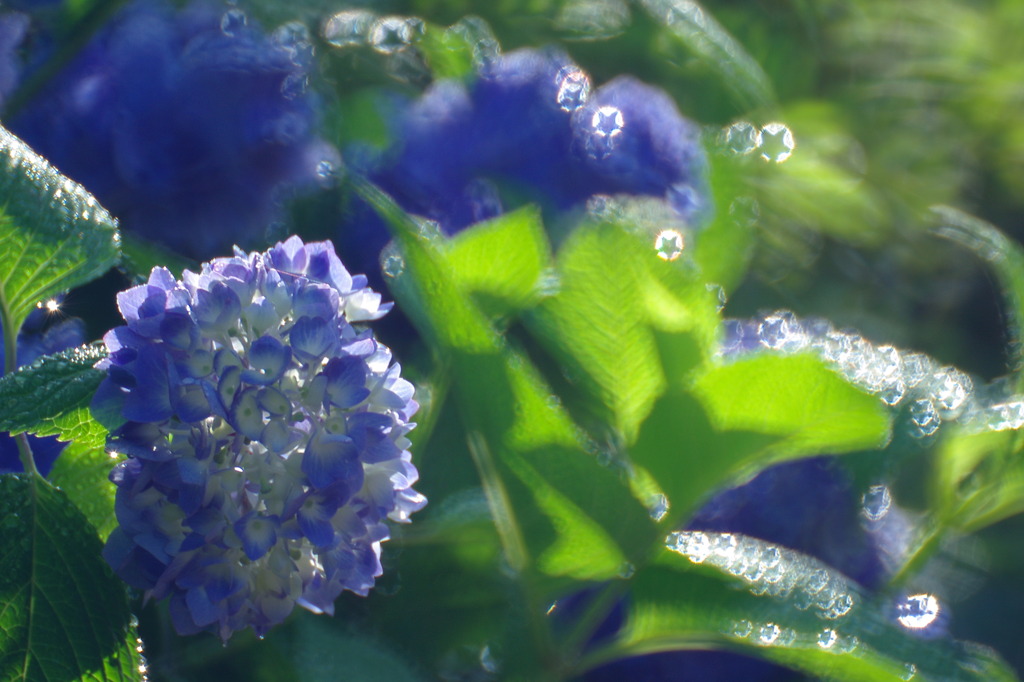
x: 189, y: 125
x: 39, y: 335
x: 265, y: 438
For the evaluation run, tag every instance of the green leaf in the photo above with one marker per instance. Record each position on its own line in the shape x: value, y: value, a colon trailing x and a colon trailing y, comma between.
x: 53, y: 234
x: 83, y: 469
x: 724, y: 247
x: 82, y: 472
x: 35, y: 397
x: 502, y: 260
x: 63, y: 615
x: 547, y: 497
x: 797, y: 397
x: 141, y: 256
x: 597, y: 324
x: 709, y: 41
x: 1003, y: 255
x: 687, y: 457
x: 720, y: 590
x: 978, y: 478
x: 447, y: 51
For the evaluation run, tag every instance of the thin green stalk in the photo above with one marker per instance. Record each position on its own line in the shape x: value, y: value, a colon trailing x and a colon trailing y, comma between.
x: 497, y: 500
x: 514, y: 546
x: 595, y: 614
x: 28, y: 462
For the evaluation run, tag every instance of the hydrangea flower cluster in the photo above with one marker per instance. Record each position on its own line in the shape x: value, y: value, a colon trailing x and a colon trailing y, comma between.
x: 189, y: 125
x: 265, y: 438
x: 530, y: 123
x: 39, y: 335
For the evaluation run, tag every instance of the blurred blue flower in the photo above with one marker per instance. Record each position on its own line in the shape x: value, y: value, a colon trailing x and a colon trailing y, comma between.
x: 266, y: 438
x: 39, y: 335
x: 13, y: 27
x: 189, y: 125
x: 528, y: 128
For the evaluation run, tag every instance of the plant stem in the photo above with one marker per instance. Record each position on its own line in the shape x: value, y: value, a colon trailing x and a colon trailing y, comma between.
x: 28, y: 462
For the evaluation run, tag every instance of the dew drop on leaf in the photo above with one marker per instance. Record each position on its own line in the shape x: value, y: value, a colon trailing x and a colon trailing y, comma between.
x: 669, y: 245
x: 876, y: 502
x: 348, y: 28
x: 777, y: 142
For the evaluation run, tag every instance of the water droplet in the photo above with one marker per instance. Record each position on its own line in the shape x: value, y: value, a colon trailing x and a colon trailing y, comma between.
x: 745, y: 211
x: 917, y: 611
x: 552, y: 608
x: 827, y: 638
x: 668, y: 244
x: 838, y: 606
x: 924, y: 418
x: 909, y: 670
x: 950, y: 389
x: 845, y: 645
x: 742, y: 629
x: 626, y: 570
x: 294, y: 85
x: 392, y: 263
x: 475, y: 32
x: 768, y: 633
x: 605, y: 130
x: 326, y: 171
x: 685, y: 200
x: 390, y: 34
x: 233, y: 21
x: 817, y: 581
x: 294, y: 39
x: 658, y: 507
x: 1006, y: 416
x: 348, y: 28
x: 777, y: 142
x: 719, y: 294
x: 916, y: 366
x: 573, y: 88
x: 876, y: 502
x: 483, y: 200
x: 782, y: 331
x: 549, y: 283
x: 771, y: 557
x: 695, y: 545
x: 741, y: 138
x: 487, y: 660
x: 429, y: 230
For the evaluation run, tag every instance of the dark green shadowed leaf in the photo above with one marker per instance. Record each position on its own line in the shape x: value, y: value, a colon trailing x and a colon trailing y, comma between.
x: 141, y: 256
x: 63, y: 615
x: 797, y: 397
x: 720, y: 590
x: 35, y: 396
x: 712, y: 44
x: 53, y: 234
x: 1003, y: 255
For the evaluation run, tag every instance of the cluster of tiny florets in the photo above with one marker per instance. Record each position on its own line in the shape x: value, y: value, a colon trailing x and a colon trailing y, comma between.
x: 265, y: 438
